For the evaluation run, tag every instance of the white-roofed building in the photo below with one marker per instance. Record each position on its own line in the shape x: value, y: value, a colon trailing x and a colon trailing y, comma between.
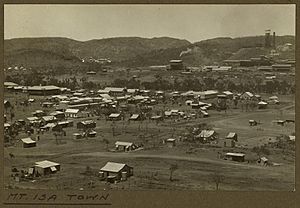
x: 232, y: 135
x: 43, y: 90
x: 114, y: 117
x: 247, y: 96
x: 207, y: 136
x: 49, y: 119
x: 28, y: 142
x: 46, y: 167
x: 72, y: 113
x: 228, y: 94
x: 135, y: 117
x: 116, y: 171
x: 208, y: 94
x: 239, y: 157
x: 262, y: 105
x: 10, y: 84
x: 115, y: 91
x: 171, y: 142
x: 125, y: 146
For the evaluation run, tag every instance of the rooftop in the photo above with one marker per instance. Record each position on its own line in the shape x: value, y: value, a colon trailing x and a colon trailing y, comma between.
x: 72, y: 110
x: 46, y: 164
x: 114, y: 115
x: 113, y: 167
x: 118, y: 143
x: 235, y: 154
x: 48, y: 87
x: 28, y: 141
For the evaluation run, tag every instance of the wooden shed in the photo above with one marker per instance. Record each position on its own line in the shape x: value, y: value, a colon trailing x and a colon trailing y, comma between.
x: 46, y: 167
x: 233, y: 136
x: 239, y: 157
x: 116, y: 171
x: 28, y: 142
x: 89, y: 124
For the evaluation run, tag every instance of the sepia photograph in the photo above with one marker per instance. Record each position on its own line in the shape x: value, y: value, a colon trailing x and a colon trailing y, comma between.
x: 149, y: 97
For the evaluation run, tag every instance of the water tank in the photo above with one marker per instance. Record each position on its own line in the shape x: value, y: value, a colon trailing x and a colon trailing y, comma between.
x: 101, y: 174
x: 124, y: 176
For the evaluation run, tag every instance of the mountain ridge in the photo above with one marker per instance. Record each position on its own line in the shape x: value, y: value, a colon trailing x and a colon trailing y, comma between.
x: 129, y: 51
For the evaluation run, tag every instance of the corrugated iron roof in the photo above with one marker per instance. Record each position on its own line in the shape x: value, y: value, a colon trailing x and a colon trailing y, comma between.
x: 113, y: 167
x: 235, y: 154
x: 45, y: 164
x: 28, y: 141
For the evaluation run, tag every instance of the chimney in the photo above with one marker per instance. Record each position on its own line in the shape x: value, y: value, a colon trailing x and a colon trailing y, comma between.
x: 274, y: 41
x: 267, y: 39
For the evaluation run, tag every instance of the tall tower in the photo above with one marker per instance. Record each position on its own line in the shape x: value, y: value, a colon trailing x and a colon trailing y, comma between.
x: 267, y: 39
x: 274, y: 40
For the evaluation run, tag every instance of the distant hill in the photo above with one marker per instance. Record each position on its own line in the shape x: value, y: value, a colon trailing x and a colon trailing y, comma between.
x: 132, y: 51
x: 55, y: 50
x: 213, y: 51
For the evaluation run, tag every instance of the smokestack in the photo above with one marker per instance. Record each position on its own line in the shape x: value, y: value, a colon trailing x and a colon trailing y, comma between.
x: 274, y: 40
x: 267, y: 39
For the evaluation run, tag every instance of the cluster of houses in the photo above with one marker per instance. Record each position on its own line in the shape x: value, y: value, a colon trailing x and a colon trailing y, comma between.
x: 82, y: 104
x: 71, y: 105
x: 111, y: 172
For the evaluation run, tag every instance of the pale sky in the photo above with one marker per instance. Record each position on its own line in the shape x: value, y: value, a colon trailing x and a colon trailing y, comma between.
x: 190, y: 22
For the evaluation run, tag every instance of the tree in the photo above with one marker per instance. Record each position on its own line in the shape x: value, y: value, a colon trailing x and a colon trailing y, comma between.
x: 12, y: 115
x: 106, y: 142
x: 56, y: 137
x: 217, y: 179
x: 172, y: 169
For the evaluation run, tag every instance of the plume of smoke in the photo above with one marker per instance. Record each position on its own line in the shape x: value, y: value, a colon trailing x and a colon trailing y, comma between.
x: 185, y: 52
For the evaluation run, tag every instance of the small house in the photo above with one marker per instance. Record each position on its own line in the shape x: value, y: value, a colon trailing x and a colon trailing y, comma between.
x: 46, y: 167
x: 228, y: 94
x: 116, y: 171
x: 72, y: 113
x: 33, y: 119
x: 48, y: 119
x: 207, y: 136
x: 292, y: 138
x: 7, y: 126
x: 263, y: 161
x: 135, y: 117
x: 59, y: 115
x: 171, y: 142
x: 262, y: 105
x: 38, y: 113
x: 253, y: 122
x: 125, y: 146
x: 89, y: 124
x: 114, y: 117
x: 7, y: 104
x: 239, y: 157
x: 47, y: 104
x: 91, y: 133
x: 247, y: 96
x: 232, y: 136
x: 77, y: 136
x: 28, y: 142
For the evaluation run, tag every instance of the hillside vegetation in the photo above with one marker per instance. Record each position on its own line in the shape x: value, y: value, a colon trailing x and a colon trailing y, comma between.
x: 66, y: 53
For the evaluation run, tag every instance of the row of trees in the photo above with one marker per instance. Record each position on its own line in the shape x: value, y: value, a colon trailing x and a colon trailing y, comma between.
x: 221, y: 83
